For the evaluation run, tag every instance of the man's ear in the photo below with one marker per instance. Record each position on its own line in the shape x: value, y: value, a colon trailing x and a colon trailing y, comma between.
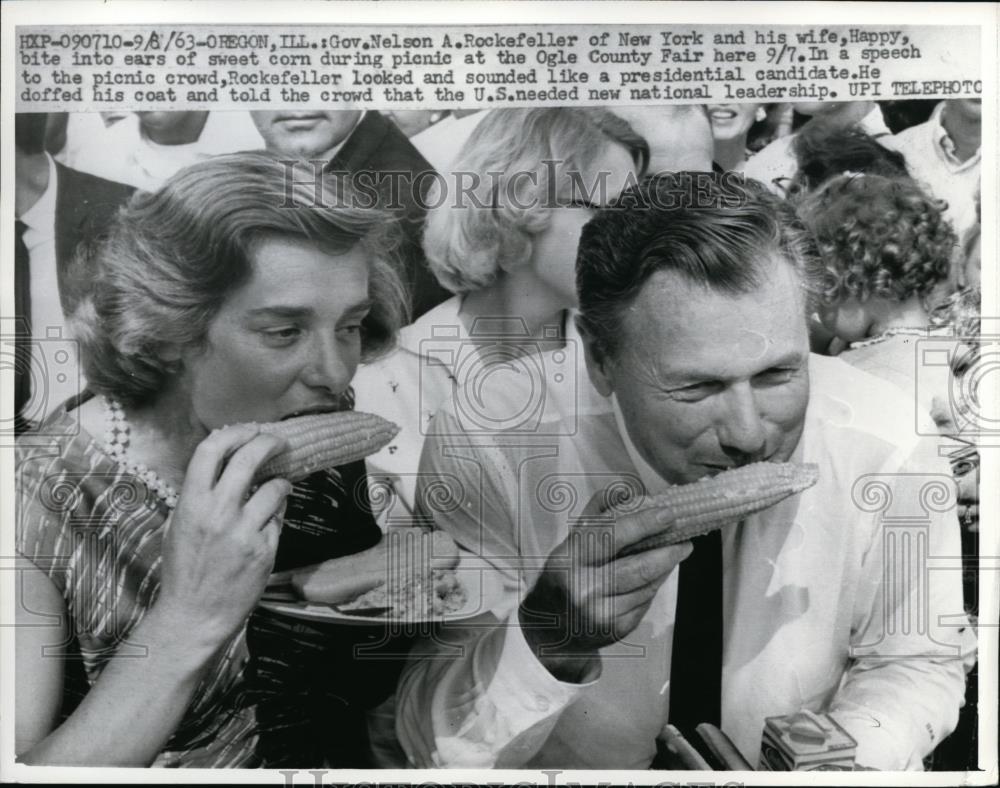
x: 598, y: 363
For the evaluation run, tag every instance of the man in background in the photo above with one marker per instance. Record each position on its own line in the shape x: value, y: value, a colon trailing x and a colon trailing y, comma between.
x: 56, y: 208
x: 143, y: 149
x: 366, y: 144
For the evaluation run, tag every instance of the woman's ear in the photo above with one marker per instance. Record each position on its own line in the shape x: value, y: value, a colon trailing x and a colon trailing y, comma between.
x: 169, y: 352
x: 171, y: 356
x: 515, y: 256
x: 598, y: 362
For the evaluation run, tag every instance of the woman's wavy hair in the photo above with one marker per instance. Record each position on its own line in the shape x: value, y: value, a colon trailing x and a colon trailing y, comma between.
x: 171, y: 258
x: 878, y: 237
x: 501, y: 189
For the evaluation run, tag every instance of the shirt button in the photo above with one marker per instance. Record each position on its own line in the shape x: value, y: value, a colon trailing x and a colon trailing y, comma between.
x: 541, y: 703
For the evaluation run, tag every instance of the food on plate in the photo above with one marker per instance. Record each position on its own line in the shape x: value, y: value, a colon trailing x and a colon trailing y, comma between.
x: 324, y: 440
x: 725, y: 499
x: 418, y: 597
x: 402, y: 556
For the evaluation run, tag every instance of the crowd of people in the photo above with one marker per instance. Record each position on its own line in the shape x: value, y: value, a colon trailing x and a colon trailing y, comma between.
x: 591, y: 297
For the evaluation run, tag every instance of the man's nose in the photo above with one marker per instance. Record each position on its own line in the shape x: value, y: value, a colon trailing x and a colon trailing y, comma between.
x: 328, y: 366
x: 742, y: 433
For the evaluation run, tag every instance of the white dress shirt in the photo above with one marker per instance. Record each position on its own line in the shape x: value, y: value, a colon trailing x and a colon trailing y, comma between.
x: 810, y: 620
x: 55, y: 365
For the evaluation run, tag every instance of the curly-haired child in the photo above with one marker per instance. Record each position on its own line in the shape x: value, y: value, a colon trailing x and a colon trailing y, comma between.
x: 886, y: 251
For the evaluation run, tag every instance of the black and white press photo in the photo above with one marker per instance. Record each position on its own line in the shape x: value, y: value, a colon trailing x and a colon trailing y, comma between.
x: 426, y: 393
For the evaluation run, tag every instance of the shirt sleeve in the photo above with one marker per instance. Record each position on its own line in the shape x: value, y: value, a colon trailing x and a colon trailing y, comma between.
x: 488, y: 704
x: 912, y: 641
x: 476, y: 696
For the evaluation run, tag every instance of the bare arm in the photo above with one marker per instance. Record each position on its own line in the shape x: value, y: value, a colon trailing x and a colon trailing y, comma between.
x: 217, y: 552
x: 114, y: 723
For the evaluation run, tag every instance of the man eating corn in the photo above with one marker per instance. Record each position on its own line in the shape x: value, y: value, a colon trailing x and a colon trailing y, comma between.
x: 694, y: 291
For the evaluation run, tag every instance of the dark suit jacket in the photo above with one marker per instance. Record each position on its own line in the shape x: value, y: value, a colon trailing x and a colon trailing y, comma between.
x: 377, y: 146
x: 85, y: 205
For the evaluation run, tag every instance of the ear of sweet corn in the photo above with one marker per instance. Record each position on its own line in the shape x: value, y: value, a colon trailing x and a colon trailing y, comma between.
x: 324, y: 440
x: 725, y: 499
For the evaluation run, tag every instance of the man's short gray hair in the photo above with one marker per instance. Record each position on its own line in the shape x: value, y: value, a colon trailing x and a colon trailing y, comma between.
x: 715, y: 229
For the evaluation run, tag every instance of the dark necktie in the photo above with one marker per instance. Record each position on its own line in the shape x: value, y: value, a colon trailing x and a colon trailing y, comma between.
x: 696, y: 664
x: 22, y: 328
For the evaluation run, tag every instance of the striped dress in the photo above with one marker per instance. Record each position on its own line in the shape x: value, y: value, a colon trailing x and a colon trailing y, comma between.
x: 281, y: 691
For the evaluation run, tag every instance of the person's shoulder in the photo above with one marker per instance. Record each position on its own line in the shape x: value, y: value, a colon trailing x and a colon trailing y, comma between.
x: 441, y: 319
x: 53, y: 463
x: 92, y: 187
x: 86, y: 204
x: 389, y: 383
x: 387, y: 147
x: 861, y: 407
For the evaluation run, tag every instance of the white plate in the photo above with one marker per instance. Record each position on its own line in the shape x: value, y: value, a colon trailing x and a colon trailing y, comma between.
x: 483, y: 591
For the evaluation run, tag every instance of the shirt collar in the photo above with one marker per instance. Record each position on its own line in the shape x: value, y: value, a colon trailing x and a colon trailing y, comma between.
x: 41, y: 217
x: 651, y: 480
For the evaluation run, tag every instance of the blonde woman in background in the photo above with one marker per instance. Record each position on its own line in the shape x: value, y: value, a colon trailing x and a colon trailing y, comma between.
x: 501, y: 234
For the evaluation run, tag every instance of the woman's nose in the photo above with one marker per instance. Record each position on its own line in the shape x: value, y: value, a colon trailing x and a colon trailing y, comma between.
x: 741, y: 430
x: 329, y: 367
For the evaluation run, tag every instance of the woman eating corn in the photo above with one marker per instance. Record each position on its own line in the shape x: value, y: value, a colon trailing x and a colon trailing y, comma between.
x: 233, y: 296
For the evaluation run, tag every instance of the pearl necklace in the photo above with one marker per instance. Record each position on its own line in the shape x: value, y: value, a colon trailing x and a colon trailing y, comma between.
x: 918, y: 332
x: 116, y: 440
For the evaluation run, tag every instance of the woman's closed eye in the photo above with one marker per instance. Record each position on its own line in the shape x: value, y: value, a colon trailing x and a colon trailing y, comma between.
x: 279, y: 336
